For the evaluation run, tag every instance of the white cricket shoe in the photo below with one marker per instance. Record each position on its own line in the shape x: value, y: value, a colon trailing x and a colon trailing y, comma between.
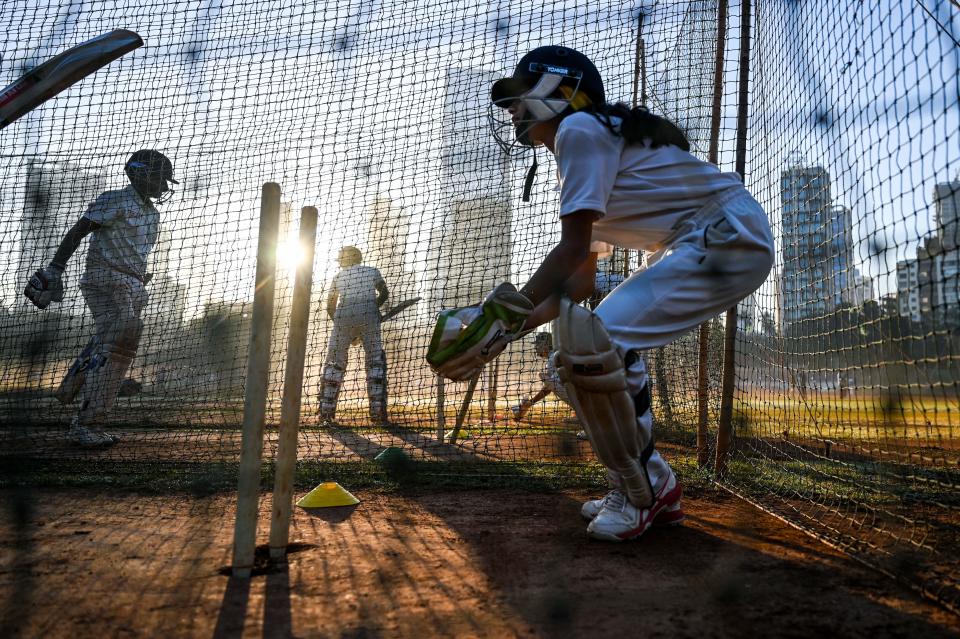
x: 671, y: 515
x: 85, y: 437
x: 619, y: 520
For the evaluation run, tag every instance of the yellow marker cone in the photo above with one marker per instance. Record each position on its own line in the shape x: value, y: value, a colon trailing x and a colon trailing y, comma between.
x: 329, y: 493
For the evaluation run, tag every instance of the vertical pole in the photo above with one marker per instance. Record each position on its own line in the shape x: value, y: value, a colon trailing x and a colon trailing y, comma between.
x: 725, y: 429
x: 493, y: 373
x: 293, y: 388
x: 441, y: 408
x: 716, y: 112
x: 639, y: 70
x: 643, y: 72
x: 464, y: 408
x: 703, y: 394
x: 639, y: 85
x: 703, y: 364
x: 258, y: 375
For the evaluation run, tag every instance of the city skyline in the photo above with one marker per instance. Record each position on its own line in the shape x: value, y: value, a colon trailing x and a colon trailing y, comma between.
x: 376, y: 134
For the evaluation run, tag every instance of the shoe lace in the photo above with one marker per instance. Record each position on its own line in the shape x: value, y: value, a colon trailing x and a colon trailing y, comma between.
x: 614, y: 500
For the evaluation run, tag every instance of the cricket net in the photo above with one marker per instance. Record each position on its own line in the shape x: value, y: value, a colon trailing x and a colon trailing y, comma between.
x: 845, y: 401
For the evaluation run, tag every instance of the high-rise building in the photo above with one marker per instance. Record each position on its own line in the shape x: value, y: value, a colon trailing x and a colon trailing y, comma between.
x: 779, y: 315
x: 388, y: 229
x: 948, y: 290
x: 946, y: 199
x: 947, y: 208
x: 859, y: 289
x: 473, y: 241
x: 477, y: 253
x: 920, y: 292
x: 808, y: 262
x: 839, y: 254
x: 908, y: 292
x: 928, y: 280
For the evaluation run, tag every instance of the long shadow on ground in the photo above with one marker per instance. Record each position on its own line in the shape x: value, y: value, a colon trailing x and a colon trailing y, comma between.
x: 726, y: 573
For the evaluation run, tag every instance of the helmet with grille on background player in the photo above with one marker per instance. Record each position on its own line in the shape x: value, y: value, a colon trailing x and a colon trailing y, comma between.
x: 149, y: 171
x: 350, y: 256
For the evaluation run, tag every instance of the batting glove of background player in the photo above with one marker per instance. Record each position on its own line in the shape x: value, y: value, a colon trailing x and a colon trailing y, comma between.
x: 45, y: 286
x: 465, y: 339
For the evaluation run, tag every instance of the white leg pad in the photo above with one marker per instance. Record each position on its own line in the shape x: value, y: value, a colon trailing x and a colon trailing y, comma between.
x: 330, y: 389
x: 592, y: 370
x: 377, y: 386
x: 102, y: 385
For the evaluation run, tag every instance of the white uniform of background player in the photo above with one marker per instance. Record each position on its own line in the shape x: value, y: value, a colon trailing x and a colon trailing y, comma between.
x: 627, y: 179
x: 543, y: 347
x: 123, y: 225
x: 354, y: 300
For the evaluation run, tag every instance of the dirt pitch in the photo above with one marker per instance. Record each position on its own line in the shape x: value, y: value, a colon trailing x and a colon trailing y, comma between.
x: 432, y: 563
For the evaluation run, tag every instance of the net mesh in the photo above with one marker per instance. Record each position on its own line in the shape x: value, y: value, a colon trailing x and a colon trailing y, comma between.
x: 846, y: 397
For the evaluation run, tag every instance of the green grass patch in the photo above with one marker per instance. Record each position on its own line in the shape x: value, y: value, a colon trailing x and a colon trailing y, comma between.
x: 201, y: 479
x: 847, y: 484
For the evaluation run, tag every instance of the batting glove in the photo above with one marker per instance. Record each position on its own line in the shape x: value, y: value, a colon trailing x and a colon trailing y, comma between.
x: 465, y: 339
x: 45, y: 286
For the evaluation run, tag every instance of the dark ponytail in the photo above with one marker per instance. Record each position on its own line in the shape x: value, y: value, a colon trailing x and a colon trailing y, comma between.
x: 639, y: 124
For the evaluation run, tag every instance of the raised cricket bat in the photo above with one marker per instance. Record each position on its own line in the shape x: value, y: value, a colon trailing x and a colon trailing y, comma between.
x: 399, y: 308
x: 59, y: 72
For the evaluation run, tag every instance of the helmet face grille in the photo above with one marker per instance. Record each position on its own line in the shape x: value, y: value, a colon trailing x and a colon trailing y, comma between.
x: 548, y: 81
x: 150, y: 164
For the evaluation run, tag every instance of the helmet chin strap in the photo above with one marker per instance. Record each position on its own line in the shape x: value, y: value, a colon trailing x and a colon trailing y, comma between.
x: 531, y: 173
x: 542, y: 107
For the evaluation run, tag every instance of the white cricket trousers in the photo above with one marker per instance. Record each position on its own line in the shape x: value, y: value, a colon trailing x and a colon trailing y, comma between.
x: 711, y: 261
x: 352, y: 322
x: 115, y: 300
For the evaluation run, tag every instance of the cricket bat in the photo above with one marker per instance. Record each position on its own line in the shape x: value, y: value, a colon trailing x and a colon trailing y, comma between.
x: 392, y: 312
x: 399, y: 308
x: 59, y: 72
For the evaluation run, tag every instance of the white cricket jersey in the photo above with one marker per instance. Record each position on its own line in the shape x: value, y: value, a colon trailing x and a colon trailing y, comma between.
x: 128, y: 231
x: 357, y: 286
x: 642, y: 193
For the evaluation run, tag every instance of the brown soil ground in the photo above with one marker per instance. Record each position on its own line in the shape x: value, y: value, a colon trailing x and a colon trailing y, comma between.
x: 432, y: 563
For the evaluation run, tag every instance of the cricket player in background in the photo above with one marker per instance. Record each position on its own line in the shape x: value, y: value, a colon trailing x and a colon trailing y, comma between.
x: 543, y: 347
x: 627, y: 178
x: 604, y: 283
x: 353, y: 302
x: 123, y: 225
